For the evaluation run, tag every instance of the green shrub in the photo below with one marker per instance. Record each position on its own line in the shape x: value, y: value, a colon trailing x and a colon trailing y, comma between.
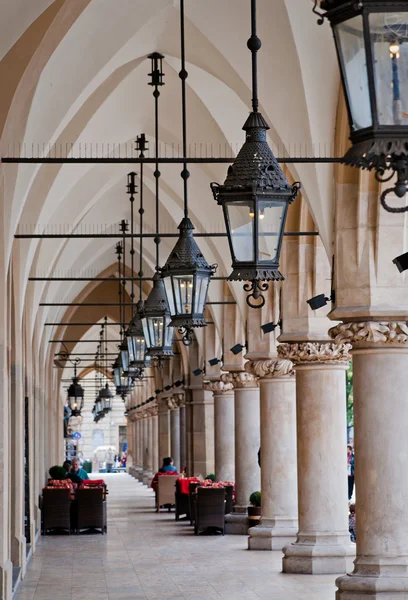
x: 210, y: 476
x: 255, y: 498
x: 57, y: 472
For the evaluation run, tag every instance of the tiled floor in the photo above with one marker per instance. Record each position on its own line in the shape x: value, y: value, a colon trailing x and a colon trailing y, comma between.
x: 150, y: 556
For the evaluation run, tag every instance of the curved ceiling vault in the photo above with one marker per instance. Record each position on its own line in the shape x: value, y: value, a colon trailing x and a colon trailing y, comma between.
x: 85, y: 81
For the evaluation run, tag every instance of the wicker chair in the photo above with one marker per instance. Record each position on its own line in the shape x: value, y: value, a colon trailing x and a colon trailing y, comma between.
x: 182, y: 503
x: 210, y: 509
x: 165, y: 492
x: 228, y: 499
x: 56, y: 509
x: 90, y: 510
x: 191, y: 500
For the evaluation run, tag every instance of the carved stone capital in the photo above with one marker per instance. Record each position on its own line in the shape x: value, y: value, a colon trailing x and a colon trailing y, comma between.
x: 218, y: 386
x: 315, y: 352
x: 371, y: 332
x: 240, y: 379
x: 270, y: 367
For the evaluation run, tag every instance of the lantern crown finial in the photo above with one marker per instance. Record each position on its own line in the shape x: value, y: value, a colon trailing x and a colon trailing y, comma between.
x: 255, y: 165
x: 186, y: 253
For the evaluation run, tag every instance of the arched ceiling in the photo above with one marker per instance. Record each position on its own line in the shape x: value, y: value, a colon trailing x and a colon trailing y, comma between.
x: 85, y: 82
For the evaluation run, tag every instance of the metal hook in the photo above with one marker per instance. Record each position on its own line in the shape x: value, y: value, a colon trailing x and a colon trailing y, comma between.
x: 321, y: 16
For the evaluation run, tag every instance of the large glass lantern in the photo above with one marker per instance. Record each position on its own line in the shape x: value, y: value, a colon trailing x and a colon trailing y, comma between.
x: 107, y: 398
x: 372, y: 48
x: 122, y: 379
x: 75, y: 397
x: 255, y: 198
x: 124, y: 355
x: 186, y: 277
x: 156, y: 320
x: 136, y: 341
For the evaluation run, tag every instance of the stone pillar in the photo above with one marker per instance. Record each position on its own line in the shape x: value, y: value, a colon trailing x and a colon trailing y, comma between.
x: 174, y: 431
x: 323, y: 540
x: 156, y: 465
x: 224, y: 429
x: 147, y: 471
x: 247, y: 442
x: 279, y: 522
x: 139, y: 448
x: 183, y: 435
x: 164, y: 430
x: 145, y: 434
x: 202, y: 432
x: 380, y: 380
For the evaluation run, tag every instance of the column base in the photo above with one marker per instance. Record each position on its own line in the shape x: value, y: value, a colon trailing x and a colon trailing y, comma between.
x: 318, y: 554
x: 236, y: 523
x: 272, y: 534
x: 19, y: 553
x: 375, y: 578
x: 147, y: 478
x: 6, y: 580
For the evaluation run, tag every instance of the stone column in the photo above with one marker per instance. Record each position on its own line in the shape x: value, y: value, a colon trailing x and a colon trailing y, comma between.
x: 164, y: 430
x: 139, y: 445
x: 156, y: 465
x: 224, y: 429
x: 380, y: 380
x: 145, y: 437
x: 247, y: 442
x: 323, y: 540
x: 279, y: 522
x: 202, y: 432
x: 172, y: 403
x: 183, y: 435
x: 147, y: 473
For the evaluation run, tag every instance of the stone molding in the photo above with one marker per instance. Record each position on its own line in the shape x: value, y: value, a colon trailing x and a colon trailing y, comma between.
x: 218, y: 386
x: 370, y: 332
x: 240, y: 379
x: 270, y: 368
x: 175, y: 401
x: 315, y: 352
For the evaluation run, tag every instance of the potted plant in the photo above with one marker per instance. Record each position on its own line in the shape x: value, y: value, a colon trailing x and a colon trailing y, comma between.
x: 254, y: 511
x: 211, y: 477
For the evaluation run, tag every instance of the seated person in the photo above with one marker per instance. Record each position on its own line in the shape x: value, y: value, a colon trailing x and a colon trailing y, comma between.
x: 77, y: 474
x: 67, y: 465
x: 167, y: 467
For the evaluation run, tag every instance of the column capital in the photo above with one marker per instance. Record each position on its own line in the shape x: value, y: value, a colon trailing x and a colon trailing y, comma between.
x: 240, y: 379
x: 315, y: 352
x: 368, y: 333
x: 175, y: 401
x: 269, y: 368
x: 218, y: 386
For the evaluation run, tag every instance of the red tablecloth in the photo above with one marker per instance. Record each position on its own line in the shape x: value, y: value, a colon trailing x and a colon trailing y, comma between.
x: 184, y: 483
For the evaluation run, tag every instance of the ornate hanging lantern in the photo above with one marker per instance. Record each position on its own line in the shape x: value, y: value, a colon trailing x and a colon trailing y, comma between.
x: 186, y: 277
x: 255, y: 199
x: 371, y: 40
x: 156, y: 320
x: 75, y: 394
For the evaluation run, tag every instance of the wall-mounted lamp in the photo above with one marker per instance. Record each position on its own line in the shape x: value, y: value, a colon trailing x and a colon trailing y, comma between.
x: 237, y: 349
x: 269, y: 327
x: 401, y: 262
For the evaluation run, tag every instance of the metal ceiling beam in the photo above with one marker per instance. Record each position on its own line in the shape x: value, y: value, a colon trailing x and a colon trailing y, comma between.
x: 50, y: 236
x: 110, y: 160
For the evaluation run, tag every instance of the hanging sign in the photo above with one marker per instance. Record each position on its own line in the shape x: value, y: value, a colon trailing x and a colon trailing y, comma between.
x: 76, y: 435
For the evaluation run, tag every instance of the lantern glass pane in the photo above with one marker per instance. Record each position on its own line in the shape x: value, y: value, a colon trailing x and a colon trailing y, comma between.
x: 125, y: 359
x: 169, y: 333
x: 116, y: 376
x: 241, y: 229
x: 183, y: 294
x: 140, y: 348
x: 131, y: 341
x: 350, y: 43
x: 156, y: 331
x: 168, y: 286
x: 389, y: 41
x: 201, y: 289
x: 271, y: 225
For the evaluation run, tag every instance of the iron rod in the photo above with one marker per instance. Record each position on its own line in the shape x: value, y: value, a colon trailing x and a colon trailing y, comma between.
x: 103, y: 304
x: 103, y: 279
x: 145, y: 235
x: 76, y: 324
x: 163, y: 160
x: 80, y: 341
